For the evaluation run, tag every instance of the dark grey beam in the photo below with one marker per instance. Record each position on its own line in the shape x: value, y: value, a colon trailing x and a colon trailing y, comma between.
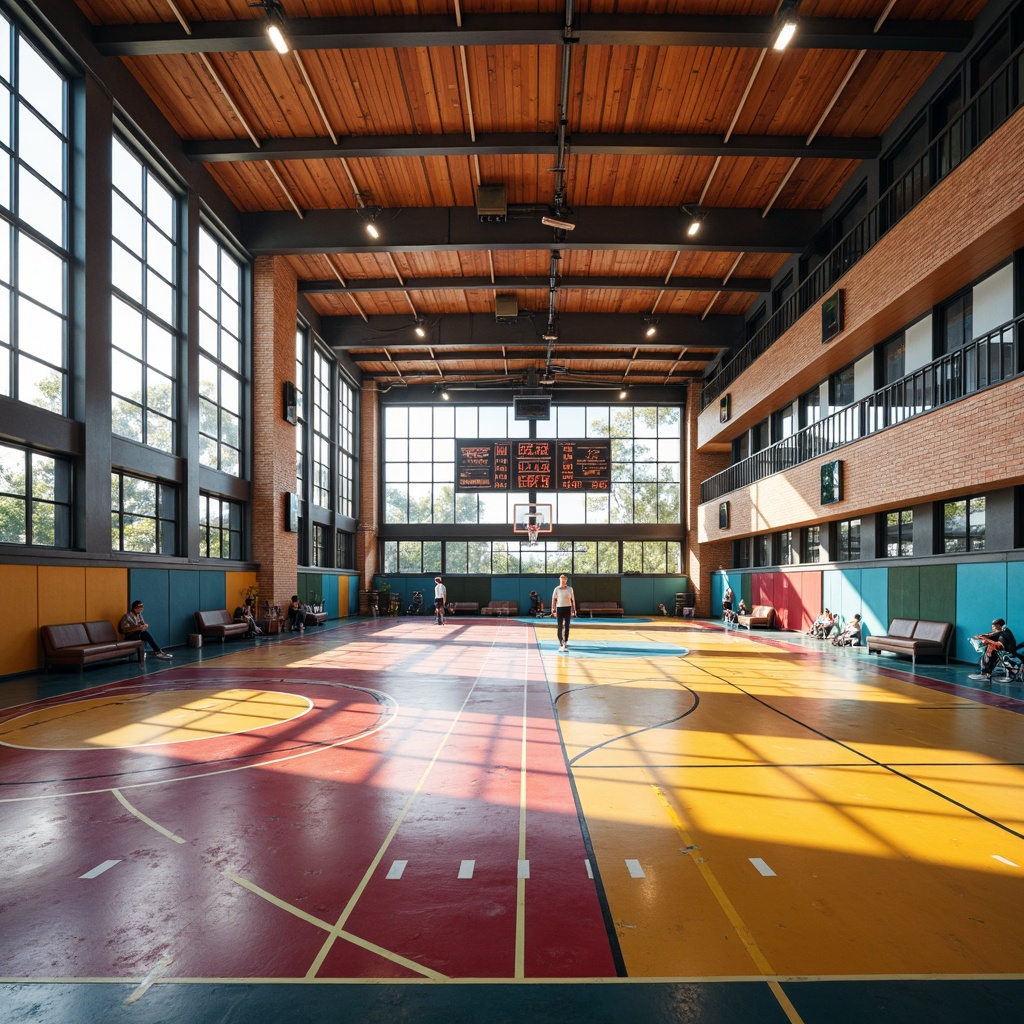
x: 360, y: 33
x: 481, y: 333
x: 440, y: 229
x: 754, y: 285
x: 529, y: 144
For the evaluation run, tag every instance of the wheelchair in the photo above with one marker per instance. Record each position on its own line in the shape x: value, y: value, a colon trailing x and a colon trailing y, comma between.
x: 1009, y: 667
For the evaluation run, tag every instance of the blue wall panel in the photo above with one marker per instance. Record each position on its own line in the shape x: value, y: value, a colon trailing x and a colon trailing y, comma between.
x: 183, y: 588
x: 639, y: 598
x: 152, y: 588
x: 331, y: 596
x: 213, y: 591
x: 981, y: 594
x: 874, y: 596
x: 353, y: 594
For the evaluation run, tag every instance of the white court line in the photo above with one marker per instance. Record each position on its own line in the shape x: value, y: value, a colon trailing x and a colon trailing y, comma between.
x: 396, y: 869
x: 590, y: 869
x: 466, y: 868
x: 99, y: 869
x: 522, y: 869
x: 161, y: 968
x: 1003, y: 860
x: 762, y: 867
x: 634, y: 869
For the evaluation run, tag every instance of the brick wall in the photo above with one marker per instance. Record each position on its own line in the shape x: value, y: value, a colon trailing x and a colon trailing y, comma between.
x: 369, y: 487
x: 275, y: 290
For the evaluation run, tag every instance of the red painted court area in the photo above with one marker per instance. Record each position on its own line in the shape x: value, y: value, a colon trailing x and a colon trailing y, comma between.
x: 416, y: 822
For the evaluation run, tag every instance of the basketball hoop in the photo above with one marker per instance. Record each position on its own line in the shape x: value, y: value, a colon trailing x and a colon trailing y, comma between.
x: 532, y: 533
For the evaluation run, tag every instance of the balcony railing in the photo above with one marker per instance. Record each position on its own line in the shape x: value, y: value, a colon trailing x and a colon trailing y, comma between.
x: 991, y: 359
x: 1001, y: 96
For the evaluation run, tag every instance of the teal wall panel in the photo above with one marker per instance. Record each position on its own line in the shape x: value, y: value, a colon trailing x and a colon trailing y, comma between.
x: 183, y: 589
x: 152, y: 588
x: 353, y: 594
x: 832, y: 590
x: 874, y: 600
x: 331, y: 596
x: 213, y: 591
x: 938, y: 593
x: 981, y: 592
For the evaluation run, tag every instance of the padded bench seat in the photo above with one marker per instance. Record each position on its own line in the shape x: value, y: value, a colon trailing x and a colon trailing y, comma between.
x: 315, y: 618
x: 465, y: 608
x: 912, y: 637
x: 500, y: 608
x: 85, y: 643
x: 761, y: 615
x: 218, y: 624
x: 603, y: 609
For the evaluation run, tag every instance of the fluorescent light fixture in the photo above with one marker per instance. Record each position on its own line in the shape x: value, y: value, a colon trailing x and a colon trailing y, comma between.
x: 277, y: 38
x: 651, y: 331
x: 786, y: 33
x: 371, y: 229
x: 696, y: 215
x: 554, y: 222
x: 785, y: 24
x: 693, y: 228
x: 623, y: 393
x: 421, y: 331
x: 445, y: 395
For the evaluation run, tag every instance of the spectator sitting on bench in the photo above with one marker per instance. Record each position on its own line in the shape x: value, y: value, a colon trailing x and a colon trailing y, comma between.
x: 536, y: 605
x: 296, y: 615
x: 850, y: 637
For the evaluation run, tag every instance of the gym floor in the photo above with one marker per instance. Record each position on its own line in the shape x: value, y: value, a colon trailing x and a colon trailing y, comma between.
x: 387, y: 819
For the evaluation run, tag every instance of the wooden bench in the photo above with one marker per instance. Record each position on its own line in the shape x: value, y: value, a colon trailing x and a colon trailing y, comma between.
x: 913, y: 637
x: 500, y: 608
x: 761, y: 615
x: 84, y: 643
x: 603, y: 609
x: 218, y: 624
x: 464, y: 608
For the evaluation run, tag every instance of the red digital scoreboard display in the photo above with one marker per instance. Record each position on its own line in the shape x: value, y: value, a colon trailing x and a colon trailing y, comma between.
x: 532, y: 465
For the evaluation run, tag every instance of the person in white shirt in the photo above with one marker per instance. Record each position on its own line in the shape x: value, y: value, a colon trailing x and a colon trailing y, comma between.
x: 563, y: 608
x: 440, y: 593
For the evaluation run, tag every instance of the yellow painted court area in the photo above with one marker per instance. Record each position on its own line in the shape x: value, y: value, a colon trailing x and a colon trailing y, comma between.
x: 147, y: 719
x: 794, y: 814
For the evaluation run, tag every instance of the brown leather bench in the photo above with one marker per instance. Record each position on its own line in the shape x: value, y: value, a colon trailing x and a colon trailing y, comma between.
x: 602, y: 609
x: 913, y: 637
x: 760, y: 615
x: 464, y: 608
x: 218, y: 624
x: 84, y: 643
x: 500, y: 608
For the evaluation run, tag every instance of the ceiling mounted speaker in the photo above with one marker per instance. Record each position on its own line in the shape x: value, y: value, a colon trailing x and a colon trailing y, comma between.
x: 491, y: 203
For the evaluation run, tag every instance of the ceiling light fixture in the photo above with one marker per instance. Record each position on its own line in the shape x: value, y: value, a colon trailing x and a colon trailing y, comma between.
x: 557, y: 222
x: 421, y: 331
x: 624, y: 393
x: 275, y: 23
x: 696, y: 215
x: 785, y: 24
x: 652, y: 326
x: 370, y: 215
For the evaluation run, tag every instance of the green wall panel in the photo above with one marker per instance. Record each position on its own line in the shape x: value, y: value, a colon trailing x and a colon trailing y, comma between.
x: 904, y: 592
x: 938, y: 593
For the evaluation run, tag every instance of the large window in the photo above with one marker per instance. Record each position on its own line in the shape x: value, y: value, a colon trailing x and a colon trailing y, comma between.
x: 899, y: 533
x: 301, y: 342
x: 811, y: 544
x: 419, y: 464
x: 347, y: 456
x: 847, y: 537
x: 35, y: 498
x: 956, y: 322
x: 320, y: 411
x: 144, y: 313
x: 221, y: 366
x: 33, y: 225
x: 220, y: 528
x: 143, y: 515
x: 963, y: 525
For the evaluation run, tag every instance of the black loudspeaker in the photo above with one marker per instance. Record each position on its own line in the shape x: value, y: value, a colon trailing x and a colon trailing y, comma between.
x: 291, y: 412
x: 832, y: 316
x: 291, y: 512
x: 723, y: 515
x: 724, y: 409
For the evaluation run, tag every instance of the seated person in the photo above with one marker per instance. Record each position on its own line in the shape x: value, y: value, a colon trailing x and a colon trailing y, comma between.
x: 1000, y: 639
x: 850, y: 636
x: 822, y: 625
x: 244, y: 613
x: 296, y: 615
x: 536, y: 605
x: 731, y: 616
x: 416, y: 608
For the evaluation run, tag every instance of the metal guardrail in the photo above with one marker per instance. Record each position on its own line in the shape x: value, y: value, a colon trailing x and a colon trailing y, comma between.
x: 1002, y: 96
x: 991, y: 359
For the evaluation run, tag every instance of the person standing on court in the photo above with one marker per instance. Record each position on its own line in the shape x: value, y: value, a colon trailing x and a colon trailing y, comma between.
x: 440, y: 594
x: 563, y: 608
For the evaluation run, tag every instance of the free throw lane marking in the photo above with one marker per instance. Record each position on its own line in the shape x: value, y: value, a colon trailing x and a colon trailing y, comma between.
x: 142, y: 817
x: 634, y: 869
x: 99, y: 869
x: 1003, y: 860
x: 161, y: 968
x: 762, y: 867
x: 466, y: 868
x: 396, y: 869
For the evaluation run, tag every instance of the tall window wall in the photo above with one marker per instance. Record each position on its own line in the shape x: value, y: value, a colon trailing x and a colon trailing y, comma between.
x: 320, y: 413
x: 144, y: 311
x: 34, y: 259
x: 221, y: 366
x: 347, y: 455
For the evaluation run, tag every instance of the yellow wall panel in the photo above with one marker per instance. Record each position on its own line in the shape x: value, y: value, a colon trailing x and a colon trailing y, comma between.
x: 61, y: 594
x: 235, y: 586
x: 106, y: 594
x: 20, y: 650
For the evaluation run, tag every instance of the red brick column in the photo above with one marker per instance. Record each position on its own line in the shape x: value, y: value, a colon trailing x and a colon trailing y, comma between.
x: 369, y: 487
x: 700, y: 560
x: 273, y: 452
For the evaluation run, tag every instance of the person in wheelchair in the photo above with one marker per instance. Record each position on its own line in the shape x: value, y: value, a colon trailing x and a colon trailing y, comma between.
x: 1011, y: 665
x: 989, y: 645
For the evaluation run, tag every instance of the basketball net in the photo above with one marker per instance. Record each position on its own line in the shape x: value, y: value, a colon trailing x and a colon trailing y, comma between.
x: 532, y: 533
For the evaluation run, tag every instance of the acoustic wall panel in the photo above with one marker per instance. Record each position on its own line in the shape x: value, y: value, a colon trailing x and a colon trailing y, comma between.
x: 874, y: 601
x: 61, y: 594
x: 938, y: 592
x: 981, y: 597
x: 904, y: 592
x: 106, y: 593
x: 21, y: 650
x: 184, y: 600
x: 212, y: 592
x: 152, y: 588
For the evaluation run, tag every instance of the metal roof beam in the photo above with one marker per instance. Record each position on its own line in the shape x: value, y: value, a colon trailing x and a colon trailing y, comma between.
x: 354, y: 286
x: 530, y: 144
x: 447, y: 229
x: 388, y: 32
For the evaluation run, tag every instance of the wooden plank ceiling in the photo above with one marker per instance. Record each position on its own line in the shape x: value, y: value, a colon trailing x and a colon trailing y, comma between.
x: 611, y: 115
